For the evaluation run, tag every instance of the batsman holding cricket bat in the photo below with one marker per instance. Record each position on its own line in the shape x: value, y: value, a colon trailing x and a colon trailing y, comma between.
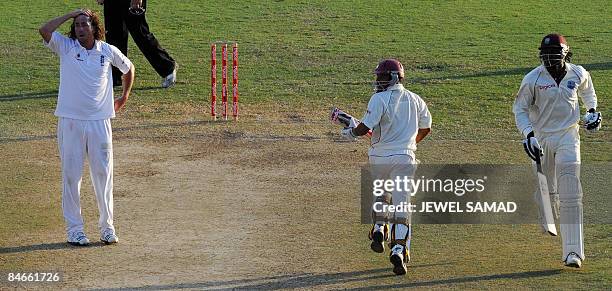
x: 547, y: 112
x: 398, y: 119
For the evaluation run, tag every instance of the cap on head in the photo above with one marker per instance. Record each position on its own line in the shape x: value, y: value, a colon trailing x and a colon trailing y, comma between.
x: 389, y: 66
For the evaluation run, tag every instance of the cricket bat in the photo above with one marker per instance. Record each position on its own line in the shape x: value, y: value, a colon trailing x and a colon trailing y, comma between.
x: 342, y: 118
x: 549, y: 221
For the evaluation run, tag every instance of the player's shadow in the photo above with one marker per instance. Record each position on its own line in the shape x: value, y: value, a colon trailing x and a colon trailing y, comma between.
x: 370, y: 279
x: 305, y: 281
x: 274, y: 282
x: 45, y: 247
x: 462, y: 280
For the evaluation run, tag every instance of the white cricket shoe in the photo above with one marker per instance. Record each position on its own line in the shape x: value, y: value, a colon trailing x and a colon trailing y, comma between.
x: 379, y: 234
x: 109, y: 238
x: 78, y: 239
x: 573, y: 260
x: 170, y: 80
x: 398, y: 257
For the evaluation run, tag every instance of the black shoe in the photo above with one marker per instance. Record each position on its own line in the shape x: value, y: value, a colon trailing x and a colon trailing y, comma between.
x: 398, y: 257
x: 379, y: 234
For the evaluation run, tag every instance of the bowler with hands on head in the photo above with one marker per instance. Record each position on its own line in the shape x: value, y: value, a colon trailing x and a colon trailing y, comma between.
x: 85, y: 107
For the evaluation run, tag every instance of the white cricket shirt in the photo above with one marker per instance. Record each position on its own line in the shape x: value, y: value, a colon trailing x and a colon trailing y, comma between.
x: 395, y: 116
x: 86, y: 86
x: 546, y: 107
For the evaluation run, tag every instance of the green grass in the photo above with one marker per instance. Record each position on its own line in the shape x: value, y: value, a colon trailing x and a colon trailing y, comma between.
x: 465, y: 58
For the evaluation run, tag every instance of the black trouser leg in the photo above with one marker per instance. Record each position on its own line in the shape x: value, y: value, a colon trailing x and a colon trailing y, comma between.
x: 116, y: 30
x: 148, y: 44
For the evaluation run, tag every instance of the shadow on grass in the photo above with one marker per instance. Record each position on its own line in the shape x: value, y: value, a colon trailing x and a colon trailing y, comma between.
x: 53, y: 94
x: 115, y: 130
x: 469, y: 279
x: 515, y: 71
x: 598, y: 66
x: 306, y: 281
x: 46, y: 247
x: 225, y: 134
x: 30, y: 95
x: 509, y: 72
x: 26, y: 138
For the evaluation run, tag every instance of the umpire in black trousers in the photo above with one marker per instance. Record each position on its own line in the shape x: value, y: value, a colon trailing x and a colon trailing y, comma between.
x: 123, y: 16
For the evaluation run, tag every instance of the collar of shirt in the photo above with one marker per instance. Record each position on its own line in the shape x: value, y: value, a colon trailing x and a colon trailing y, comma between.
x: 97, y: 47
x: 397, y: 86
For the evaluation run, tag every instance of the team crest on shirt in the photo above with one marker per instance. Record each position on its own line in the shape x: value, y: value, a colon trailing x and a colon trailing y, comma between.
x: 571, y: 84
x: 78, y: 57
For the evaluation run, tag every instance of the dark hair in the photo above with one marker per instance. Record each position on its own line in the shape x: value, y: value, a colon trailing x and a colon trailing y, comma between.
x: 98, y: 29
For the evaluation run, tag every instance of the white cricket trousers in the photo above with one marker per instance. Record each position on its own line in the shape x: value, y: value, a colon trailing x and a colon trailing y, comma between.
x: 388, y: 168
x: 561, y: 165
x: 77, y: 139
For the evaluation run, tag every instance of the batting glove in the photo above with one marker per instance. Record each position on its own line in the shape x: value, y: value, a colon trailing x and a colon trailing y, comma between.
x: 348, y: 134
x: 592, y: 120
x: 532, y: 147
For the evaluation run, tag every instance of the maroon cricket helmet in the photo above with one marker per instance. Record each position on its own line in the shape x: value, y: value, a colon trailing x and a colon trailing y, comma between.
x: 389, y: 66
x: 554, y: 51
x: 553, y: 41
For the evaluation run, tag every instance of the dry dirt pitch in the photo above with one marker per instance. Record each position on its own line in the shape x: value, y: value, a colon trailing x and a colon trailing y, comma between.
x: 254, y: 204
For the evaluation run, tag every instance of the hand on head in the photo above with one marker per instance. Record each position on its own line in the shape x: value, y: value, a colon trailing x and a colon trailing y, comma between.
x: 81, y: 11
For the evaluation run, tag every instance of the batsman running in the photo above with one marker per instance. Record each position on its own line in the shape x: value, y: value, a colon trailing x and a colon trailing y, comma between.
x: 547, y: 112
x: 399, y: 119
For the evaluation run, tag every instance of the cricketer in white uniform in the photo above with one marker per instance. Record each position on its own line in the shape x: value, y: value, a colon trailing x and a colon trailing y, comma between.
x: 85, y: 106
x: 399, y: 119
x: 547, y: 113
